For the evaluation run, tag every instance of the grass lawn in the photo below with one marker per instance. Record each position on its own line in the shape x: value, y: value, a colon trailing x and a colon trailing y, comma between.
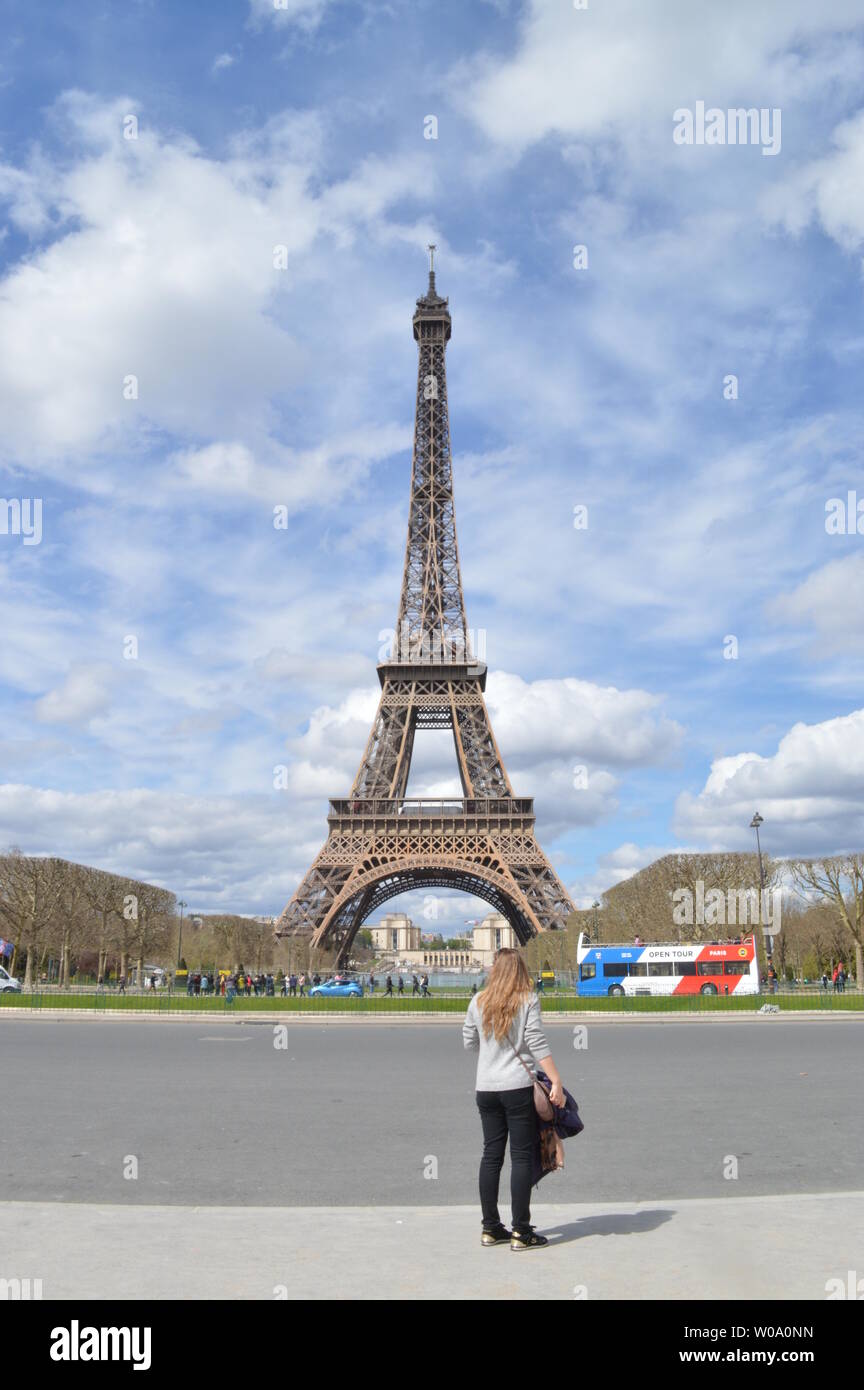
x: 442, y: 1001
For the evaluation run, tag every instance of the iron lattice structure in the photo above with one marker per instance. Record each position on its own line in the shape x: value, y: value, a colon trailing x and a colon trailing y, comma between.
x: 379, y: 843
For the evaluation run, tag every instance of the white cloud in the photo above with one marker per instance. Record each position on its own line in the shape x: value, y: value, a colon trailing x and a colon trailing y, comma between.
x: 614, y: 867
x: 327, y: 755
x: 829, y: 602
x: 621, y: 68
x: 830, y: 189
x: 84, y: 694
x: 161, y: 264
x: 543, y: 719
x: 810, y: 793
x: 221, y: 62
x: 284, y: 476
x: 238, y: 854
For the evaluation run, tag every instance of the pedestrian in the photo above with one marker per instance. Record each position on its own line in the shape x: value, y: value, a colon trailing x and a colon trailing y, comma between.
x: 834, y: 975
x: 415, y: 986
x: 302, y: 983
x: 400, y: 988
x: 504, y: 1024
x: 824, y: 980
x: 122, y: 984
x: 539, y: 984
x: 388, y: 987
x: 293, y: 985
x: 316, y: 978
x: 371, y: 983
x: 424, y: 988
x: 205, y: 984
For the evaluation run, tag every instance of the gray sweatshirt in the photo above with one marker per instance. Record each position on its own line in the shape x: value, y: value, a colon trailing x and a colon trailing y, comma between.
x: 497, y: 1067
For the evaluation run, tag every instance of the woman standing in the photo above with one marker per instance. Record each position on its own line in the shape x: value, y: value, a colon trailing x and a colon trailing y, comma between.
x: 503, y: 1021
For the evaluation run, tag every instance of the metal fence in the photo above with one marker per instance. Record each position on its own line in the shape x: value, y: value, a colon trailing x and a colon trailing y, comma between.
x: 448, y: 999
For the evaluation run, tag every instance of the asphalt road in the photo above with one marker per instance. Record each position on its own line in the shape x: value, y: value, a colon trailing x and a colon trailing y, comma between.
x: 350, y: 1115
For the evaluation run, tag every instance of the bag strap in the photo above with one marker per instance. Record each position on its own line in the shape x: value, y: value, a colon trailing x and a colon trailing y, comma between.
x: 533, y: 1076
x: 536, y: 1080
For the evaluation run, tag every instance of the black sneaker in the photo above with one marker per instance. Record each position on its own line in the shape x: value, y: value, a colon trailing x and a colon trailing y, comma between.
x: 497, y: 1235
x: 526, y: 1239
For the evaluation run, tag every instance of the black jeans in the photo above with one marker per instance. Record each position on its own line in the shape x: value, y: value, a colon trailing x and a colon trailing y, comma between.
x: 503, y: 1113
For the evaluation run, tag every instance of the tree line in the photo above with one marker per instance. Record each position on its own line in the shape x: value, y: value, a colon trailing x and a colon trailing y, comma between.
x: 53, y: 909
x: 75, y: 916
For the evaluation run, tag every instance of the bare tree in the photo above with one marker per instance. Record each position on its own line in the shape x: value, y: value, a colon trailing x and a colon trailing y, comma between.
x: 240, y: 940
x: 839, y: 882
x: 74, y: 926
x: 150, y: 912
x: 31, y: 894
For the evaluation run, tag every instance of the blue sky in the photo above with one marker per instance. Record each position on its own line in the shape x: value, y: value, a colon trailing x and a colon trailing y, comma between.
x: 260, y: 387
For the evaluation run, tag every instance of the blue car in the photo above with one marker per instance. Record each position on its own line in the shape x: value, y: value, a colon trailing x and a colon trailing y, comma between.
x: 340, y: 988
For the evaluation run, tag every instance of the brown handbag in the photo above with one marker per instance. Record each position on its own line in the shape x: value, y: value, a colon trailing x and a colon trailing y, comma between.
x: 542, y: 1104
x: 551, y: 1144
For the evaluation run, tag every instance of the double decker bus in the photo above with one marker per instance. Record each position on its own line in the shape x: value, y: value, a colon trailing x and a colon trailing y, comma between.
x: 695, y: 967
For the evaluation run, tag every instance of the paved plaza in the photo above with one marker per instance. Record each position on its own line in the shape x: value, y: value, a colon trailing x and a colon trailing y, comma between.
x: 743, y: 1248
x: 344, y: 1165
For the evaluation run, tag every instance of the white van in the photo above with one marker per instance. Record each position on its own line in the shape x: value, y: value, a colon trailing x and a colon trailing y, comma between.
x: 8, y: 983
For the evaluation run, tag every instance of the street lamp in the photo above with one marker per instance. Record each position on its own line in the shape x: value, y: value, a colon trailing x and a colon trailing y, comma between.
x: 181, y: 906
x: 754, y: 825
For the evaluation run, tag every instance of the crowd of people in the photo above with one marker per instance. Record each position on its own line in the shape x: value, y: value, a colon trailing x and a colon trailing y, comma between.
x: 419, y: 986
x: 292, y: 985
x: 838, y: 979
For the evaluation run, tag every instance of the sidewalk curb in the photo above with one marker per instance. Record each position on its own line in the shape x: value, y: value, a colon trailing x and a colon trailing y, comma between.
x: 409, y: 1020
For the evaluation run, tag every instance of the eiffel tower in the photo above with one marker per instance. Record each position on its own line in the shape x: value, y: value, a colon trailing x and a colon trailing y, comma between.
x: 381, y: 843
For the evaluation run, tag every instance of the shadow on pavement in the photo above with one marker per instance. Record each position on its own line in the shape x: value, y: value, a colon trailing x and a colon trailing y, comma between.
x: 627, y: 1224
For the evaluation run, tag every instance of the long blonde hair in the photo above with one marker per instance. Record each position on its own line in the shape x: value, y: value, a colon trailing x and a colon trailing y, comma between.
x: 507, y: 987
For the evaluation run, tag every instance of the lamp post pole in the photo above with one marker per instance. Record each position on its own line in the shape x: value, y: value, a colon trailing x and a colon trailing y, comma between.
x: 181, y: 906
x: 765, y: 945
